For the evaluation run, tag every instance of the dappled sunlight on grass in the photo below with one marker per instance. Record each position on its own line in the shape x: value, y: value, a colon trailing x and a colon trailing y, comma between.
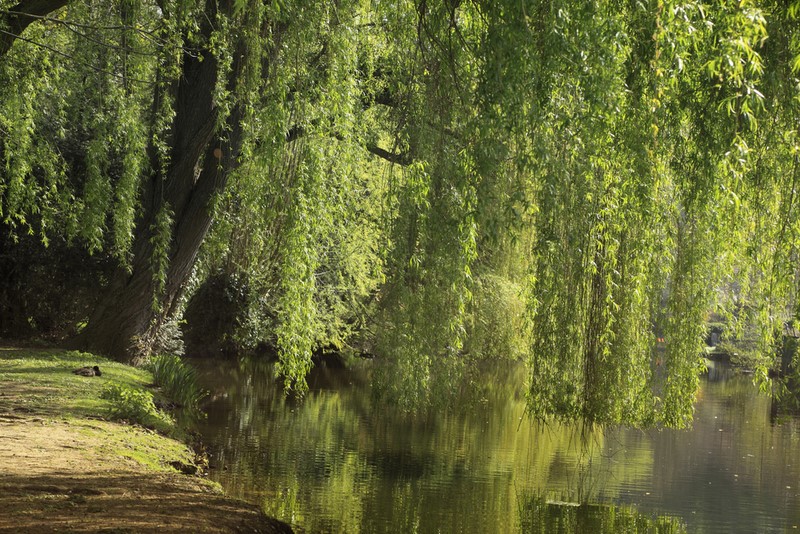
x: 41, y: 382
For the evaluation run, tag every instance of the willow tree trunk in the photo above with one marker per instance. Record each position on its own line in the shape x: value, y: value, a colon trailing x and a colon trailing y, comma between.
x: 125, y: 322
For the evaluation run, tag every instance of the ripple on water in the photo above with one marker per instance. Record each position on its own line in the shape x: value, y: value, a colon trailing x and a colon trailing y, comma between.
x: 337, y: 462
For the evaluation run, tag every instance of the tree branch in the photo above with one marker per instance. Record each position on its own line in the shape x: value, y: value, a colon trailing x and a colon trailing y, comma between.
x: 15, y: 20
x: 296, y: 132
x: 391, y: 157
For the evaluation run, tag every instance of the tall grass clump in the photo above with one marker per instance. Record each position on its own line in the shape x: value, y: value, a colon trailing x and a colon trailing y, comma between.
x: 177, y: 380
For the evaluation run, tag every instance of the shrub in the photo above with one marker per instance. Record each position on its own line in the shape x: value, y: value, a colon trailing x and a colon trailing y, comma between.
x: 135, y: 406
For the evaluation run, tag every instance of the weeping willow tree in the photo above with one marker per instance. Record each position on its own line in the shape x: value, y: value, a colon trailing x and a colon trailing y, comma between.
x: 555, y: 180
x: 158, y: 117
x: 635, y: 160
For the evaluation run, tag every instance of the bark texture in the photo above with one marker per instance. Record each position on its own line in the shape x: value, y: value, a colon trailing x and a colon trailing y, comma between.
x: 125, y: 322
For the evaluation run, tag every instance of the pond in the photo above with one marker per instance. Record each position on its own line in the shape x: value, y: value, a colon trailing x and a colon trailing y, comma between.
x: 342, y: 462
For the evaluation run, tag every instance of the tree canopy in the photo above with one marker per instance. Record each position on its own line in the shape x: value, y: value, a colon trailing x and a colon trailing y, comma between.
x: 440, y: 182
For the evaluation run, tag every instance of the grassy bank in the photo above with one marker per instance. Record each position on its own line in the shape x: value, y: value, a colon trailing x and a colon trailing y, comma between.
x: 70, y: 461
x: 40, y: 384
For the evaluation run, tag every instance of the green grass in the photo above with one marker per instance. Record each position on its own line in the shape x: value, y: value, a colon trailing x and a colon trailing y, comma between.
x: 144, y: 447
x: 40, y: 384
x: 51, y: 389
x: 136, y: 405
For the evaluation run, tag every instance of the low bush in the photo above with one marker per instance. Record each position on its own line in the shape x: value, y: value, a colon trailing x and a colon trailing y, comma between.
x: 136, y: 406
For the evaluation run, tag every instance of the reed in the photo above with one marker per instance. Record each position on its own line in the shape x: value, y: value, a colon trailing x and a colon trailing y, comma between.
x: 177, y: 380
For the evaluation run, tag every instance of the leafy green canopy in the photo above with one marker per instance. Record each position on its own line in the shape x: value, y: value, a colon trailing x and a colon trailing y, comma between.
x: 640, y: 158
x: 569, y: 181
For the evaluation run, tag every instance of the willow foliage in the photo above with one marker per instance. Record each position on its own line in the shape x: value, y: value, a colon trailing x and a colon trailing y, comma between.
x: 560, y: 181
x: 295, y: 219
x: 616, y: 145
x: 641, y: 120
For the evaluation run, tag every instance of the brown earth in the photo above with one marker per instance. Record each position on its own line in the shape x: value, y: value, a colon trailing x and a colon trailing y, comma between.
x: 56, y: 476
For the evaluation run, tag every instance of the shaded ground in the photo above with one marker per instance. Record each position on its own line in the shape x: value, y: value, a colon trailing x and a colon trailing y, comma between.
x: 90, y: 475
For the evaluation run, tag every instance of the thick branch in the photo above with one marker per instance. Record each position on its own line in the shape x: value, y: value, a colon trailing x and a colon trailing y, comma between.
x: 392, y: 157
x: 296, y: 132
x: 14, y: 21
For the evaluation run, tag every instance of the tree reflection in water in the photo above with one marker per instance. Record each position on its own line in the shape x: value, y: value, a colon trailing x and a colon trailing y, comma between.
x: 340, y: 461
x: 540, y: 516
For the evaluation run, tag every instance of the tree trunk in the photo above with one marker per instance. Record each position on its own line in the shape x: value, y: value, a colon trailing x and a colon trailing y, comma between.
x: 125, y: 321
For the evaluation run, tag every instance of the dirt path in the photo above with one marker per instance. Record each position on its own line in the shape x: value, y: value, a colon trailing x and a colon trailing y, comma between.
x: 63, y: 470
x: 54, y: 477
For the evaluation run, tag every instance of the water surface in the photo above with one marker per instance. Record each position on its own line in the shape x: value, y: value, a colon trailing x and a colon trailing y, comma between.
x: 342, y: 462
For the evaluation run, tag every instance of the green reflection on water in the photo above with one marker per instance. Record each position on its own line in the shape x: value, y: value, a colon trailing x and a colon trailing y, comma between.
x: 538, y: 516
x: 342, y: 462
x: 339, y: 462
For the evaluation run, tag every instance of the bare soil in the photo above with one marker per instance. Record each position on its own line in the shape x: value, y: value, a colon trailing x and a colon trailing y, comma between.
x: 61, y: 476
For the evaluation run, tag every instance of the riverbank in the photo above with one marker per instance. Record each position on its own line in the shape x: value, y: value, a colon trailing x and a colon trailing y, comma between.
x: 65, y: 468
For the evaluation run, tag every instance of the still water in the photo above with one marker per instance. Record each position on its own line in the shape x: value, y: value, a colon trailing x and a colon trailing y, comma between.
x: 341, y: 462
